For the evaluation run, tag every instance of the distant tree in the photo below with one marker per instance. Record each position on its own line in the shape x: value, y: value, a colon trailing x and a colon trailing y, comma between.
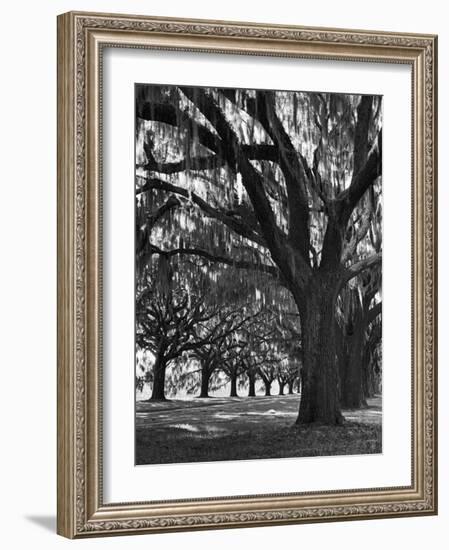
x: 268, y: 373
x: 166, y: 327
x: 223, y: 344
x: 287, y: 375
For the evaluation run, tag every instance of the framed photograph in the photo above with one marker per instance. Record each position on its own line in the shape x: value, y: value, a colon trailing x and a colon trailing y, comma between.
x: 246, y: 274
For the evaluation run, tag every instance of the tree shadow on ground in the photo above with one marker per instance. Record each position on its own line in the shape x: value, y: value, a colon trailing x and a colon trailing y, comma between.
x: 242, y: 428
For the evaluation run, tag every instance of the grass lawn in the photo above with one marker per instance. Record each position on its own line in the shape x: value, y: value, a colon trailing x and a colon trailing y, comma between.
x: 203, y: 430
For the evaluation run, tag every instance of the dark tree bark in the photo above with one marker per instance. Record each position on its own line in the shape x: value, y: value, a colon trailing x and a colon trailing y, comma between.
x: 368, y: 374
x: 281, y: 388
x: 353, y: 396
x: 355, y: 370
x: 352, y: 347
x: 320, y: 389
x: 267, y: 388
x: 160, y: 366
x: 205, y: 377
x: 372, y: 370
x: 251, y: 385
x: 290, y: 387
x: 300, y: 382
x: 233, y: 392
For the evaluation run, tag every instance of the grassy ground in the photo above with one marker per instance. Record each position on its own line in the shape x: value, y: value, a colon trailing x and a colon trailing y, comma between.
x: 203, y: 430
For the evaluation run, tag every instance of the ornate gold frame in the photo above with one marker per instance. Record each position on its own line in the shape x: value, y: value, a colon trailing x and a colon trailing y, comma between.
x: 81, y: 37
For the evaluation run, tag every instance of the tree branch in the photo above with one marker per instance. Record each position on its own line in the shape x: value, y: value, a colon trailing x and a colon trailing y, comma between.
x: 357, y: 236
x: 361, y: 181
x: 358, y: 267
x: 209, y: 162
x: 261, y: 151
x: 239, y: 226
x: 171, y: 115
x: 238, y: 158
x: 239, y: 264
x: 143, y: 235
x: 374, y: 312
x: 252, y: 181
x: 293, y: 168
x: 361, y: 143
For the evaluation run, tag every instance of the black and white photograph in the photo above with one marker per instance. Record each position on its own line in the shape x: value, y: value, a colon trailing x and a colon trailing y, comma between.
x: 258, y: 274
x: 220, y: 286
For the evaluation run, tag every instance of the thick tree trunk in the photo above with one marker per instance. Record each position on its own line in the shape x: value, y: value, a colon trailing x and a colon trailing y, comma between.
x: 352, y: 394
x: 205, y: 377
x: 376, y: 374
x: 372, y: 379
x: 342, y: 353
x: 367, y: 376
x: 251, y: 386
x: 281, y: 388
x: 160, y: 366
x: 233, y: 386
x: 267, y: 388
x: 320, y: 388
x: 290, y: 388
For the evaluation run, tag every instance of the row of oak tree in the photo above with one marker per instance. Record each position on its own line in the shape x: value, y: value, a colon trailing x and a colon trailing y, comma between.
x: 259, y: 241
